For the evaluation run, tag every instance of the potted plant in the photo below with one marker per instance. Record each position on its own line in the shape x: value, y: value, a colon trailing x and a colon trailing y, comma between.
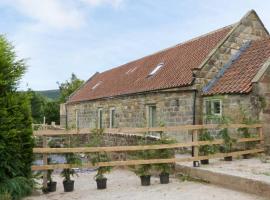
x: 68, y: 184
x: 206, y: 150
x: 164, y: 168
x: 51, y: 185
x: 245, y: 133
x: 96, y: 141
x: 143, y: 170
x: 228, y: 143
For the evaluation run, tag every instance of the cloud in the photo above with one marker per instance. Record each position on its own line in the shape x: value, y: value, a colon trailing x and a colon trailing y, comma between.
x: 51, y: 13
x: 114, y: 3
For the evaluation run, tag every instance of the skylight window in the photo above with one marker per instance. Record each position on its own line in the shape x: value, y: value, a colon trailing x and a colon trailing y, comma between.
x: 95, y: 86
x: 160, y: 65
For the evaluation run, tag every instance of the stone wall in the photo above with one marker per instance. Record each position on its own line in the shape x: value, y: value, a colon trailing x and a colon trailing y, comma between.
x: 262, y: 90
x: 172, y: 108
x: 249, y: 28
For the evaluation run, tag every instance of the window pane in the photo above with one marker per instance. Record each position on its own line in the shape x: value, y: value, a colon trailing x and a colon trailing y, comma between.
x: 208, y: 107
x: 112, y: 118
x: 100, y: 118
x: 216, y: 107
x: 152, y: 116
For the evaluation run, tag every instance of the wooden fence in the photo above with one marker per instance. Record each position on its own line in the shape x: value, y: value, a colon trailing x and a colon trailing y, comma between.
x: 45, y: 132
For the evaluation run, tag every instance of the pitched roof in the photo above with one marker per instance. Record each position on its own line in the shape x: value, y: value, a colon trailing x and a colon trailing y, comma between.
x: 238, y: 77
x: 178, y: 63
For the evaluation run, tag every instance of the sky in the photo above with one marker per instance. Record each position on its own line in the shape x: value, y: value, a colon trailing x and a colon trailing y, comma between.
x: 60, y: 37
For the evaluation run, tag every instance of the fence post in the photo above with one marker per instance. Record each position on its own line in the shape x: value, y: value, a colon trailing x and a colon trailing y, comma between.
x: 195, y: 149
x: 45, y: 162
x: 260, y: 130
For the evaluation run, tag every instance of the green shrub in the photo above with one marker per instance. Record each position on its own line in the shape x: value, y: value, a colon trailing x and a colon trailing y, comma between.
x: 16, y: 141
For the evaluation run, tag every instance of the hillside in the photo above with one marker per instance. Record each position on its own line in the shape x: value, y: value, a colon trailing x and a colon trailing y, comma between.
x: 51, y: 94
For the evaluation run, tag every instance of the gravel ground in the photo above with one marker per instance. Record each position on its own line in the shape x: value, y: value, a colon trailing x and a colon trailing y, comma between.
x: 125, y: 185
x: 252, y: 168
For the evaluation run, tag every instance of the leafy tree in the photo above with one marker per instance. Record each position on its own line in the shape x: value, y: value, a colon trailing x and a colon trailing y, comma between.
x: 52, y: 112
x: 68, y: 87
x: 16, y: 141
x: 38, y: 104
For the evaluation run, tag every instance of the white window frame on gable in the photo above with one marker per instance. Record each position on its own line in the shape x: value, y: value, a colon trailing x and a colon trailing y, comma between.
x: 213, y: 107
x: 112, y: 118
x: 100, y: 116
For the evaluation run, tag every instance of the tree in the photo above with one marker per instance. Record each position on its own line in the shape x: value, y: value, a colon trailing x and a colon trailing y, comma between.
x: 52, y: 112
x: 68, y: 87
x: 16, y: 141
x: 38, y: 104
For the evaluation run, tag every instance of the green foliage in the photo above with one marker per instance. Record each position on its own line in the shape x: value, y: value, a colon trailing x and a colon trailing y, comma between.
x: 16, y: 141
x: 38, y: 103
x: 207, y: 149
x: 228, y: 141
x: 16, y: 187
x: 245, y: 132
x: 144, y: 169
x: 49, y: 172
x: 96, y: 141
x: 11, y: 69
x: 51, y: 111
x: 164, y: 154
x: 71, y: 158
x: 5, y: 196
x: 67, y: 88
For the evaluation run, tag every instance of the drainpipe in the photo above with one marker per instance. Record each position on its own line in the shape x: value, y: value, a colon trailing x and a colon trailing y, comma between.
x: 66, y: 115
x: 195, y: 163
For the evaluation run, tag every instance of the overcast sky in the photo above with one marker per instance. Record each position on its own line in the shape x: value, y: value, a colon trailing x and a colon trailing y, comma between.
x: 59, y: 37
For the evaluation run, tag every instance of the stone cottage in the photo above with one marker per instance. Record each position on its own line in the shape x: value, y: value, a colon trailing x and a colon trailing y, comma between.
x: 220, y: 73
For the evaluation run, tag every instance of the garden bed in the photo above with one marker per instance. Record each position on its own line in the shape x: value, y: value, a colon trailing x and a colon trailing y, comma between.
x: 123, y: 184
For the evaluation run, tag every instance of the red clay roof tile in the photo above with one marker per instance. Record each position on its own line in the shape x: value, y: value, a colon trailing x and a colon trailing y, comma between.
x: 238, y: 78
x: 179, y: 61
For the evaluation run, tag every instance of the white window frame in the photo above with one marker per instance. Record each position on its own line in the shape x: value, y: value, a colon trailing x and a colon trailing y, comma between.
x: 156, y: 69
x: 212, y: 109
x: 100, y: 116
x: 112, y: 118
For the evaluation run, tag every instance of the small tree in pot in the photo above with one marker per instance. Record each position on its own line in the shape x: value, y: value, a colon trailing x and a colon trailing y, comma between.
x: 96, y: 141
x: 164, y: 168
x: 51, y: 185
x: 228, y: 143
x: 144, y: 170
x: 68, y: 184
x: 245, y: 132
x: 206, y: 150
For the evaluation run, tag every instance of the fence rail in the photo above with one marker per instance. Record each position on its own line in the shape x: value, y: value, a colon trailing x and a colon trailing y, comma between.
x: 47, y: 132
x: 51, y: 131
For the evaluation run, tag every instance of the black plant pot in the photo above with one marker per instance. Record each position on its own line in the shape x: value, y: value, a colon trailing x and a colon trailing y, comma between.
x: 247, y: 156
x: 205, y: 162
x: 51, y: 186
x: 101, y: 183
x: 145, y: 180
x: 68, y: 185
x: 164, y: 178
x: 228, y: 158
